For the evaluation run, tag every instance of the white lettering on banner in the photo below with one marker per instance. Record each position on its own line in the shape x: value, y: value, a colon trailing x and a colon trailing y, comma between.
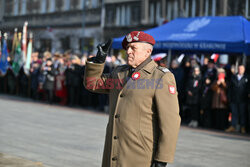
x: 212, y: 46
x: 189, y: 45
x: 197, y: 24
x: 182, y: 36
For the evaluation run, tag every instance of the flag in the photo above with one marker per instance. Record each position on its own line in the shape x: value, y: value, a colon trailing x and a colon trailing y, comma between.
x: 14, y: 43
x: 159, y: 56
x: 18, y: 59
x: 215, y: 57
x: 28, y: 58
x: 24, y: 42
x: 4, y: 56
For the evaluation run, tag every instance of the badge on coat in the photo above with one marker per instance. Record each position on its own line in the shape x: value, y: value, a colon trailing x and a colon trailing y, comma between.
x: 171, y: 89
x: 136, y: 75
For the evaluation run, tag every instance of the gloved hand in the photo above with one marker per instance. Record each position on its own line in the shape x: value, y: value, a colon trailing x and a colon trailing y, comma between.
x: 159, y: 164
x: 102, y: 52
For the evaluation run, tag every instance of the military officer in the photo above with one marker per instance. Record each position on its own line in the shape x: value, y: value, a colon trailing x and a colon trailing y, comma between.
x: 144, y: 116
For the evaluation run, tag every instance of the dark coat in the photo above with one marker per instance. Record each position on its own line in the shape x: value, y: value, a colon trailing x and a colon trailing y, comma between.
x: 34, y: 78
x: 194, y: 86
x: 179, y: 76
x: 206, y: 96
x: 49, y: 78
x: 238, y: 90
x: 74, y: 75
x: 210, y: 74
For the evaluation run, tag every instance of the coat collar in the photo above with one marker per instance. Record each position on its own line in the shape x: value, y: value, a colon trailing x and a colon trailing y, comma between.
x: 150, y: 66
x: 147, y: 67
x: 143, y: 64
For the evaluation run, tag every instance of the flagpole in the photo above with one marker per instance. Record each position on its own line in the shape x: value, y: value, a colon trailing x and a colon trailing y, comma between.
x: 24, y: 42
x: 29, y: 52
x: 28, y: 57
x: 14, y: 43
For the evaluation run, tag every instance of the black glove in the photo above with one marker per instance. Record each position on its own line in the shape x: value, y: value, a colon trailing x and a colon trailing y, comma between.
x: 102, y: 52
x: 159, y: 164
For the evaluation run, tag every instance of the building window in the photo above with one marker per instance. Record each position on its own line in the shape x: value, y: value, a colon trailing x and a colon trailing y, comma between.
x: 191, y: 8
x: 65, y: 43
x: 47, y: 5
x: 45, y: 45
x: 59, y: 5
x: 118, y: 16
x: 128, y: 15
x: 75, y: 4
x: 9, y: 5
x: 33, y: 6
x: 210, y: 7
x: 88, y: 44
x: 247, y: 12
x: 110, y: 15
x: 88, y: 4
x: 135, y: 14
x: 152, y: 13
x: 237, y: 7
x: 123, y: 15
x: 94, y: 3
x: 51, y: 5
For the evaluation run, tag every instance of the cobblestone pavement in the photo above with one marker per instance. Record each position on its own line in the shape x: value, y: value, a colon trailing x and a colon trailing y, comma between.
x: 51, y: 135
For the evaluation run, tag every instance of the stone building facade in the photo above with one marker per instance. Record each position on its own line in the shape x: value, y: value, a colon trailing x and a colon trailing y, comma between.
x: 123, y: 16
x: 59, y: 25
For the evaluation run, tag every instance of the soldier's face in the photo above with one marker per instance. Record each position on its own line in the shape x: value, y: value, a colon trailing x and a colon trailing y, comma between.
x: 137, y: 52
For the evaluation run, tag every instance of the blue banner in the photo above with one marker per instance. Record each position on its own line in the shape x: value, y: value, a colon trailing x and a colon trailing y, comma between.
x: 229, y: 34
x: 3, y: 59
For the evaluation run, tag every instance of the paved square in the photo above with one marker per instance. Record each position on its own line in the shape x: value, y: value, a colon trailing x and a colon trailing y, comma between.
x: 64, y: 137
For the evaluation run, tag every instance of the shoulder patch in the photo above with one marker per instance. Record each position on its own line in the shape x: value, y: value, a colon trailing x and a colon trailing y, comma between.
x: 163, y: 69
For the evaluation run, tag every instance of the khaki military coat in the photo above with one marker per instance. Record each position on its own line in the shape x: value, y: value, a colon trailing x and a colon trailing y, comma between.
x: 144, y: 116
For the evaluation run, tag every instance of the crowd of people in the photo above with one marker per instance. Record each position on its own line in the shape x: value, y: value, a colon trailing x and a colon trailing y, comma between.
x: 209, y: 96
x: 56, y: 78
x: 213, y: 96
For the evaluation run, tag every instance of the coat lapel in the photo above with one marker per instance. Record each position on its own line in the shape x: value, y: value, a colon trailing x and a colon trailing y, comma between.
x: 145, y: 72
x: 122, y: 75
x: 147, y: 69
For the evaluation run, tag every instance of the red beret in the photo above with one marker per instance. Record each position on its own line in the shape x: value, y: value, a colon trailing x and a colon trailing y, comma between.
x: 137, y: 36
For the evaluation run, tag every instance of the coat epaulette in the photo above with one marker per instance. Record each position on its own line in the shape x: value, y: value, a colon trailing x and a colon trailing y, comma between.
x: 163, y: 69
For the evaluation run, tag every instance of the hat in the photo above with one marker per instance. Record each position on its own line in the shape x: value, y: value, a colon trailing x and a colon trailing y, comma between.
x: 220, y: 70
x: 74, y: 57
x: 57, y: 54
x: 137, y: 36
x: 48, y: 59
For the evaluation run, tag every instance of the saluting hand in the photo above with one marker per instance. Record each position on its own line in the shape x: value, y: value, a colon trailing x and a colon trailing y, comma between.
x: 102, y: 52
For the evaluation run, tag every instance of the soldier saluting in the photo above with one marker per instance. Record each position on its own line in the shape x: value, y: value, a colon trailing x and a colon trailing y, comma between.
x: 144, y: 116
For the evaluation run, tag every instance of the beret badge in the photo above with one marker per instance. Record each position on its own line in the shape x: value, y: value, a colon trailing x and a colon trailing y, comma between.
x: 129, y: 38
x: 137, y: 37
